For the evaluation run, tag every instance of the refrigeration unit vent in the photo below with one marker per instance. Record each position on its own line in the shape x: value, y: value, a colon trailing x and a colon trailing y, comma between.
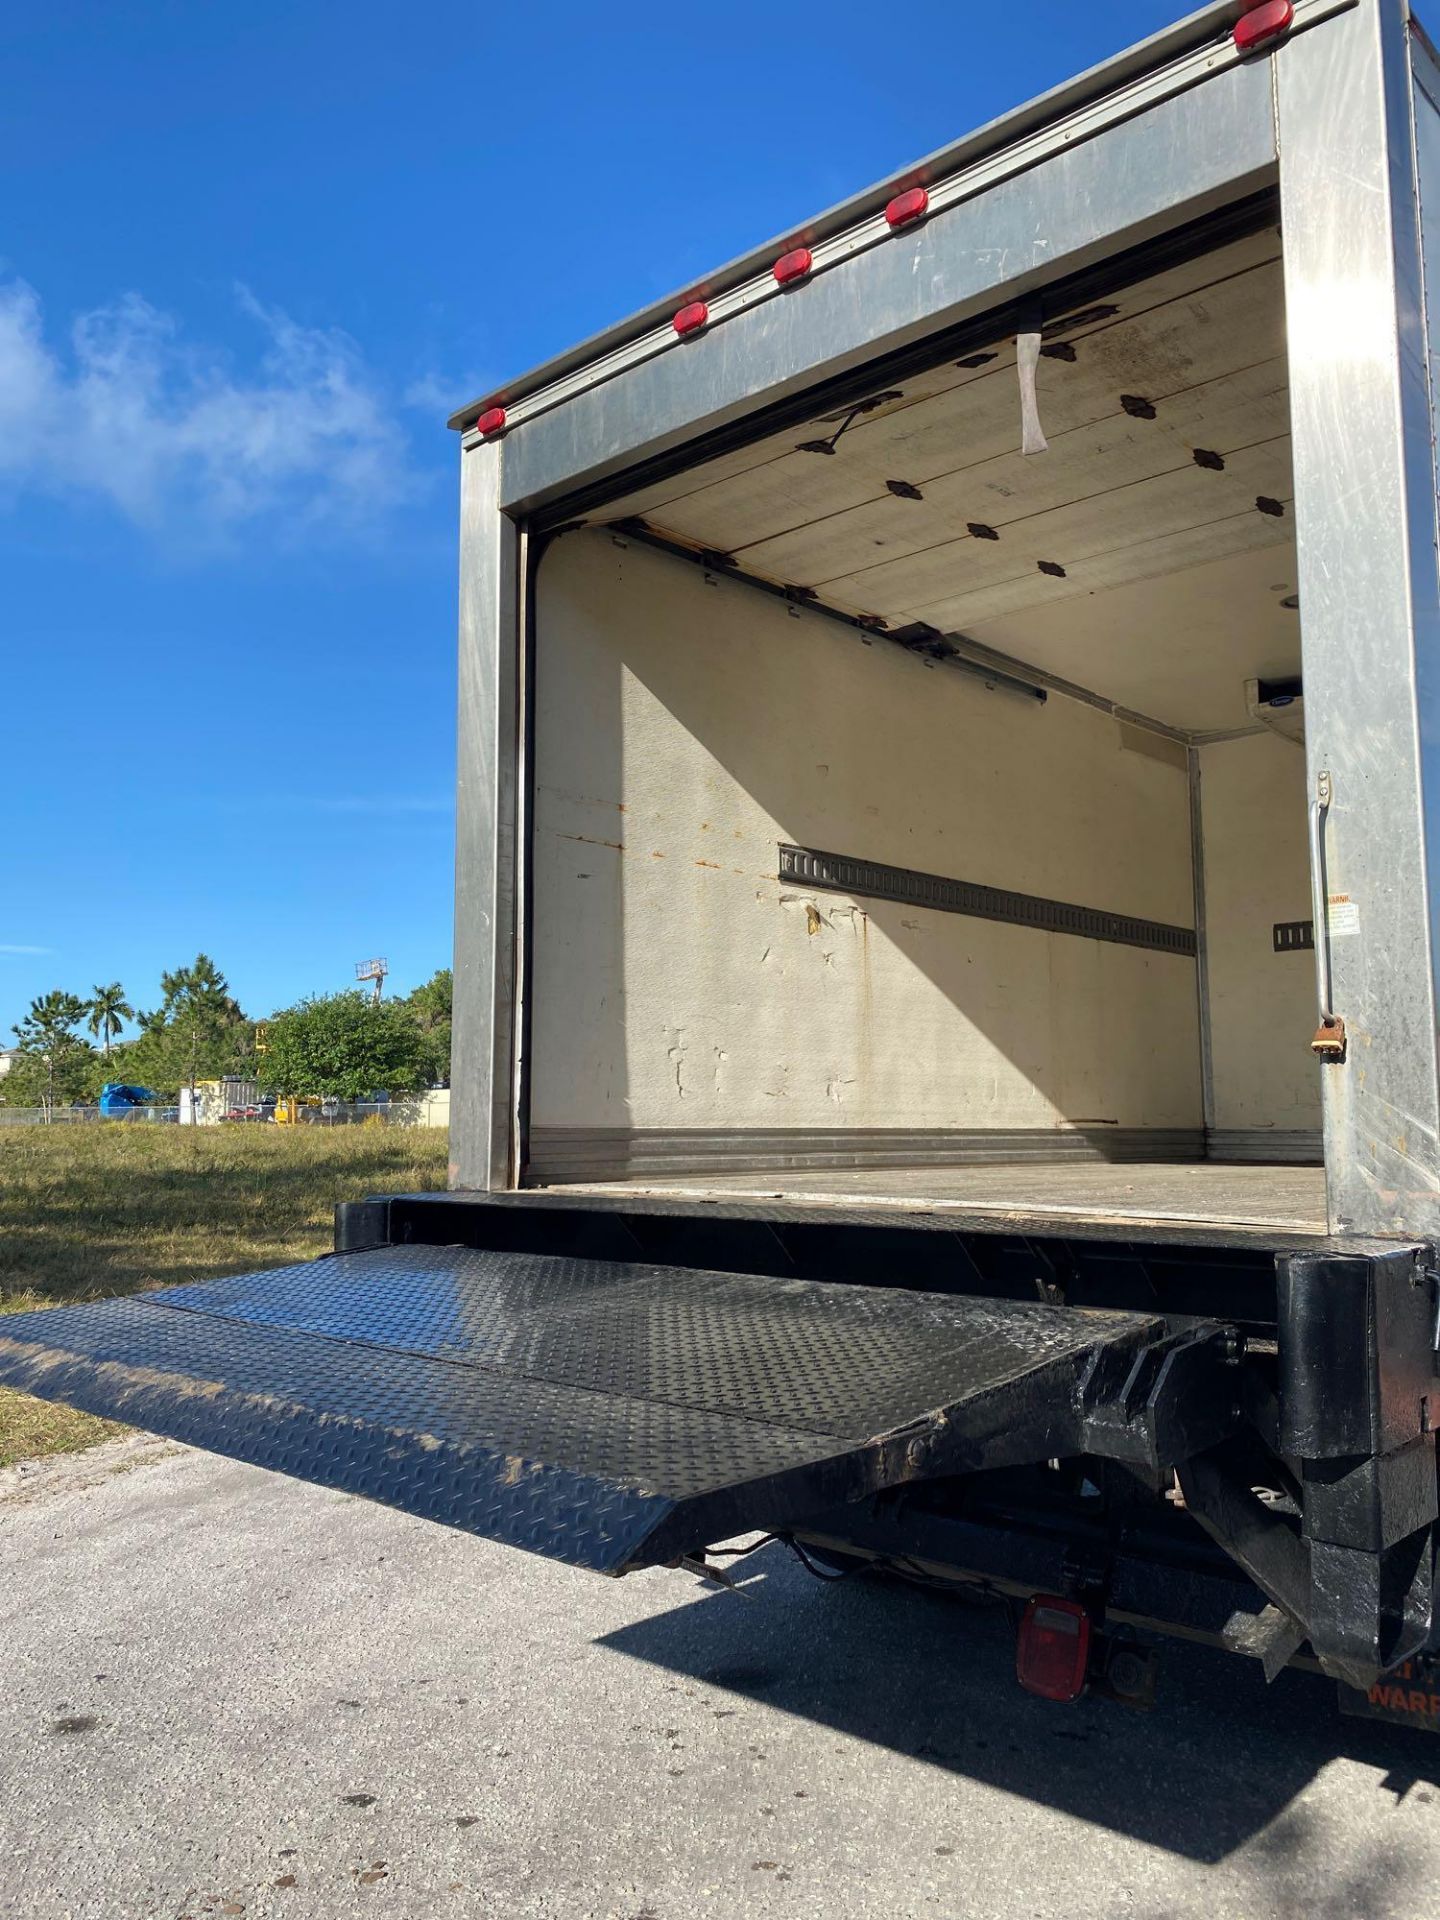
x: 1279, y: 705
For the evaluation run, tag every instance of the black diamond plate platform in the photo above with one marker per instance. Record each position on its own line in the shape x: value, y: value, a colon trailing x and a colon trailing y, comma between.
x: 602, y: 1412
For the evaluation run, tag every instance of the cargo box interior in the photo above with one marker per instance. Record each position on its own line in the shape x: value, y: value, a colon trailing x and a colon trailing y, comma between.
x: 919, y: 819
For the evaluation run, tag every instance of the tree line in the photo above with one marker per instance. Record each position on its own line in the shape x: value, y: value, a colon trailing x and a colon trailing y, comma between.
x: 342, y: 1044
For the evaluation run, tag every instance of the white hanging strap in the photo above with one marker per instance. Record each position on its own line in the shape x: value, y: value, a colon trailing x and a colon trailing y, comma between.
x: 1027, y: 359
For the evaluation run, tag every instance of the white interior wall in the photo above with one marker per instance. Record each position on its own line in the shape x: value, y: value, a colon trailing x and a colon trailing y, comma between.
x: 1257, y: 872
x: 683, y: 730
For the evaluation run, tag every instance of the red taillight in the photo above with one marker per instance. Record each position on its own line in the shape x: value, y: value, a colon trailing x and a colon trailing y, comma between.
x: 793, y: 265
x: 1053, y: 1648
x: 491, y: 421
x: 907, y: 206
x: 1262, y: 24
x: 690, y: 319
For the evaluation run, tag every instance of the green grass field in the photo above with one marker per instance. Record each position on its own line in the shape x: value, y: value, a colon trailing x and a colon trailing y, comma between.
x: 87, y: 1211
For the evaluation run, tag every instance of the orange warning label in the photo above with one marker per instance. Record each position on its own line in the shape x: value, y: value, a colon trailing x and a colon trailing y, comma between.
x: 1410, y: 1695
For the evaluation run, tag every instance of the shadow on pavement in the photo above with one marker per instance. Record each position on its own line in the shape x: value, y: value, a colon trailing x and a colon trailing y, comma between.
x: 930, y: 1676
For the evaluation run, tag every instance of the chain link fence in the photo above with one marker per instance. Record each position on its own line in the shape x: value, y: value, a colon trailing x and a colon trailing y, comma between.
x: 430, y: 1109
x: 82, y: 1116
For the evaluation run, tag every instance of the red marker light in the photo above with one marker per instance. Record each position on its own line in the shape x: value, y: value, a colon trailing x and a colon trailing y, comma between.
x: 907, y: 206
x: 491, y: 421
x: 794, y: 265
x: 690, y: 319
x: 1261, y: 25
x: 1052, y: 1650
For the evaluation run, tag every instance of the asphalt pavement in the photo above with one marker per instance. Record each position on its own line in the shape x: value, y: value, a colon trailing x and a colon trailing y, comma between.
x: 222, y: 1692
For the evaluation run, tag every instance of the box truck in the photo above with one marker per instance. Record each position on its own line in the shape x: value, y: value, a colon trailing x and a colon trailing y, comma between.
x: 945, y: 978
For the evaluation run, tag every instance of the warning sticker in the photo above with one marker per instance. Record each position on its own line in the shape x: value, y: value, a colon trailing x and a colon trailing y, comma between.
x: 1342, y: 916
x: 1406, y: 1697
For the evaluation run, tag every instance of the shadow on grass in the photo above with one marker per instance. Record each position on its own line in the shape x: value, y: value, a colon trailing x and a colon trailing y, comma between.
x: 87, y: 1212
x: 928, y: 1676
x: 91, y: 1211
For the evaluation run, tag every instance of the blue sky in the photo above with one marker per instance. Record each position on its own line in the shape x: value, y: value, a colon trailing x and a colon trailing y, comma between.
x: 250, y: 257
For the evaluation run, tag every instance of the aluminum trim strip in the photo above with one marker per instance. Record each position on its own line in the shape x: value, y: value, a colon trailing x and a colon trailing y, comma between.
x: 929, y: 1214
x: 488, y: 782
x: 551, y: 384
x: 1362, y: 425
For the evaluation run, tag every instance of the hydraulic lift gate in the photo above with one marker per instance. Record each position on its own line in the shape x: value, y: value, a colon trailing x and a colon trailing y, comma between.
x: 607, y: 1413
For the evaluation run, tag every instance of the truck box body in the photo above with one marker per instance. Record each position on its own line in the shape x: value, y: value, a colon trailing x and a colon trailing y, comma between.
x: 686, y: 1006
x: 945, y: 1052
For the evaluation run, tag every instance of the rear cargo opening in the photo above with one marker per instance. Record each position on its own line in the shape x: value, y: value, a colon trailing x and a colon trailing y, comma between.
x: 919, y: 820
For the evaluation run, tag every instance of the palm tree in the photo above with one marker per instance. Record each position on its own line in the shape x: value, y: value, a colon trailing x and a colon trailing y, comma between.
x: 108, y: 1009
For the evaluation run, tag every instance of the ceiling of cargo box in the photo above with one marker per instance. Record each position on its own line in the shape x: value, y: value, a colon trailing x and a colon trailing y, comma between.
x: 1147, y: 555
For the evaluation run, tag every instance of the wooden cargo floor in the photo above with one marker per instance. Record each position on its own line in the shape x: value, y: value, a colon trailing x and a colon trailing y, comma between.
x: 1250, y: 1202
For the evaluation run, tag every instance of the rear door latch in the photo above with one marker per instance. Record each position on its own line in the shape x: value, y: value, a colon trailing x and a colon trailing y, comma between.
x: 1329, y: 1041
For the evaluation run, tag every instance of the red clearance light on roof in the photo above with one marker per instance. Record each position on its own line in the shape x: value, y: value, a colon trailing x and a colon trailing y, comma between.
x: 793, y: 265
x: 1261, y: 25
x: 907, y: 206
x: 1053, y: 1648
x: 690, y: 319
x: 491, y: 421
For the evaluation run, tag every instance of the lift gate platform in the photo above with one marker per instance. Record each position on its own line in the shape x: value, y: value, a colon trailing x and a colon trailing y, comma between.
x: 617, y: 1414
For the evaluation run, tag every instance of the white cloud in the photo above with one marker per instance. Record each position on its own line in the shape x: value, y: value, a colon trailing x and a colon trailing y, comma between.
x: 10, y: 946
x: 127, y: 410
x: 439, y: 395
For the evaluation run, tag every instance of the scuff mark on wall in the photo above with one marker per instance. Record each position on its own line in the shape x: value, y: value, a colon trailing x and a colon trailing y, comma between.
x: 676, y: 1055
x: 588, y: 840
